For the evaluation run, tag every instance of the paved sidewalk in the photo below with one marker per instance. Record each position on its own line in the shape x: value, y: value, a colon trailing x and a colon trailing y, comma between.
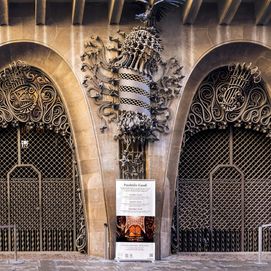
x: 75, y: 262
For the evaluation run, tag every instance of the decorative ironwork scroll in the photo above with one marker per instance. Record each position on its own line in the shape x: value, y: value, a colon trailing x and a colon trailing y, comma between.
x: 132, y: 159
x: 28, y: 95
x: 230, y: 95
x: 31, y: 110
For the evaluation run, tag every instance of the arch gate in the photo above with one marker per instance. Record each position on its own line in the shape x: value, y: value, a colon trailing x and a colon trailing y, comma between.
x: 39, y: 181
x: 224, y: 183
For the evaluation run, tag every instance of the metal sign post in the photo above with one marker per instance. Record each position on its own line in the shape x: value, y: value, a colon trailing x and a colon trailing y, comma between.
x: 260, y: 242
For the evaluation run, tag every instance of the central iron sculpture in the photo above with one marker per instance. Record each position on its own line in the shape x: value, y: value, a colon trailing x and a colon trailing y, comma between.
x: 133, y: 86
x: 138, y: 61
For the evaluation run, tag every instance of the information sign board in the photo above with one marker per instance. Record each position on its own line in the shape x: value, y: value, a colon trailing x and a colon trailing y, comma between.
x: 135, y: 210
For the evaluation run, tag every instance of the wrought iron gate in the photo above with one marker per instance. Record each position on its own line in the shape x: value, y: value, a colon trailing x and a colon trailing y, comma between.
x: 223, y: 191
x: 38, y: 191
x: 39, y: 179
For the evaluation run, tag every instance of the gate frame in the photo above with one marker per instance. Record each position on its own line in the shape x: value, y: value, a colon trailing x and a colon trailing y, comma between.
x: 242, y: 198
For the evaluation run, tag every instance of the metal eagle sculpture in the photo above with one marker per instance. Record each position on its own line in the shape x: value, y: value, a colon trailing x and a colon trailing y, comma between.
x: 156, y: 10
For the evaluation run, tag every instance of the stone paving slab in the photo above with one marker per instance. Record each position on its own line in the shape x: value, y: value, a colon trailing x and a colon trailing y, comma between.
x: 185, y: 262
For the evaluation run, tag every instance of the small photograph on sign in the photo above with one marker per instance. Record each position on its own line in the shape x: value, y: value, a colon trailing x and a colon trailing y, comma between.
x: 135, y: 229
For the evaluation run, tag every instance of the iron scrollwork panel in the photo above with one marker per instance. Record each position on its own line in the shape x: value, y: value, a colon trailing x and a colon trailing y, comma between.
x: 132, y: 158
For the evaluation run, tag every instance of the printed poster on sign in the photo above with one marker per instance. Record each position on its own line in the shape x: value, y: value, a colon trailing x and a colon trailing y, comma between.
x: 135, y: 210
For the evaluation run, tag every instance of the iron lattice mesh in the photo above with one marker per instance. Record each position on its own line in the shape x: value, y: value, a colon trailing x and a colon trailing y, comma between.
x: 260, y: 213
x: 194, y: 165
x: 250, y: 153
x: 24, y: 198
x: 8, y: 158
x: 57, y: 198
x: 8, y: 151
x: 190, y: 215
x: 3, y: 203
x: 194, y: 170
x: 24, y: 205
x: 227, y: 199
x: 50, y: 153
x: 44, y: 204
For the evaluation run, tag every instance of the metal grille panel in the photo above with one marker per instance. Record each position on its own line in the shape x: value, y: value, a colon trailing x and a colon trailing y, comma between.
x: 194, y: 177
x: 57, y: 199
x: 38, y: 191
x: 8, y: 151
x: 8, y: 158
x: 3, y: 203
x: 223, y: 191
x: 226, y: 198
x: 197, y: 193
x: 24, y: 207
x: 54, y: 159
x: 253, y: 148
x: 210, y: 144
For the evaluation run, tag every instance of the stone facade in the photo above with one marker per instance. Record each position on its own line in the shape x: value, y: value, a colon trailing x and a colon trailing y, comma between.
x: 56, y: 48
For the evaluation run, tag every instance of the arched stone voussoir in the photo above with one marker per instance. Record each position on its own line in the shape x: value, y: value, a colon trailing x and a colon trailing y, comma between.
x: 221, y: 55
